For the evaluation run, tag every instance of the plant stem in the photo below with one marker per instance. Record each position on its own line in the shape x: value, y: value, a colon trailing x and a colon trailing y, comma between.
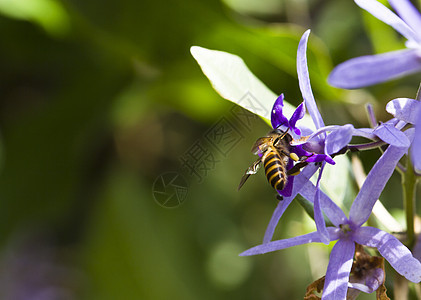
x: 367, y: 146
x: 408, y: 183
x: 418, y: 96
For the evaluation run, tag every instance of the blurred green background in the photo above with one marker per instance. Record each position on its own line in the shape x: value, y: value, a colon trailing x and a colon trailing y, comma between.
x: 100, y: 98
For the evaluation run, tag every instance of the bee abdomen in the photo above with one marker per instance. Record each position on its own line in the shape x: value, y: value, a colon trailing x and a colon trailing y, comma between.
x: 275, y: 170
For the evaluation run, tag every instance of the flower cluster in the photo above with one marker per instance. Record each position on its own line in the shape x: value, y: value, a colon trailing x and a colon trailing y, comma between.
x: 372, y: 69
x: 349, y: 231
x: 398, y: 137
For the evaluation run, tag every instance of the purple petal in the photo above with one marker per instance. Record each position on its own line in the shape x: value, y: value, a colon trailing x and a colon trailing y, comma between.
x: 371, y: 69
x: 287, y: 191
x: 332, y: 211
x: 320, y: 158
x: 300, y: 151
x: 404, y: 109
x: 409, y: 14
x: 297, y: 115
x: 282, y: 244
x: 391, y: 135
x: 397, y: 123
x: 313, y: 237
x: 305, y: 131
x: 399, y: 256
x: 317, y: 142
x: 360, y: 286
x: 416, y: 144
x: 329, y: 160
x: 371, y: 114
x: 277, y: 118
x: 337, y: 274
x: 385, y: 15
x: 364, y: 132
x: 338, y: 139
x: 299, y: 180
x: 319, y: 132
x: 296, y: 130
x: 318, y: 215
x: 314, y: 145
x: 416, y: 250
x: 311, y: 157
x: 374, y: 184
x: 276, y: 216
x: 304, y: 81
x: 375, y: 279
x: 370, y: 282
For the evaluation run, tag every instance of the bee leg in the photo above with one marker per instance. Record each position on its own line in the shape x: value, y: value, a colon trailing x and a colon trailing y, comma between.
x: 254, y: 167
x: 295, y: 170
x: 250, y: 171
x: 279, y: 197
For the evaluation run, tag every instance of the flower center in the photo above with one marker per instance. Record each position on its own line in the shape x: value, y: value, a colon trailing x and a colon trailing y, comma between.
x: 345, y: 228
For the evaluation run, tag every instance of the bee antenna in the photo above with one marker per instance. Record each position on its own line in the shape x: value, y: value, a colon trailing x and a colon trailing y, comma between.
x: 284, y: 134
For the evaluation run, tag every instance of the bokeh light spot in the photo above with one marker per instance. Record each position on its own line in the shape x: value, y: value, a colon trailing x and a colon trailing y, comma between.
x: 225, y: 268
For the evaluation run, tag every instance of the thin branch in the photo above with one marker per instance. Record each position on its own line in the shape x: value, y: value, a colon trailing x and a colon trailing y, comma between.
x: 408, y: 183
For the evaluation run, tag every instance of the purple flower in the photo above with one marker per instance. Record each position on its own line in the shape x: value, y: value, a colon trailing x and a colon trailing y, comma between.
x: 368, y: 70
x: 232, y: 79
x: 409, y: 111
x: 349, y: 231
x: 317, y: 148
x: 318, y: 145
x: 279, y: 121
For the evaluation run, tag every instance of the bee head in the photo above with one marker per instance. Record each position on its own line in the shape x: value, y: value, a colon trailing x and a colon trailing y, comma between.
x: 279, y: 134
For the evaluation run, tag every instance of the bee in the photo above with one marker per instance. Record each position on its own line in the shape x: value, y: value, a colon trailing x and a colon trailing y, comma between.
x: 274, y: 151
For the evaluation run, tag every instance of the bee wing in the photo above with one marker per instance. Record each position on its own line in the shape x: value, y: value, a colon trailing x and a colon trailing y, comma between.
x: 250, y: 171
x: 256, y: 149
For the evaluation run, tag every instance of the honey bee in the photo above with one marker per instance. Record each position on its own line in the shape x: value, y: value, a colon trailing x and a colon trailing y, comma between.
x: 274, y: 151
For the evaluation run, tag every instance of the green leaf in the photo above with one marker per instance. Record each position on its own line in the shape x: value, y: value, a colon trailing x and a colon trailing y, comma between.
x: 276, y: 45
x: 49, y: 14
x: 232, y: 79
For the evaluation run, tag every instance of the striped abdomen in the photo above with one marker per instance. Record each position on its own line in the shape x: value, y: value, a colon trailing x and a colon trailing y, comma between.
x: 275, y: 169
